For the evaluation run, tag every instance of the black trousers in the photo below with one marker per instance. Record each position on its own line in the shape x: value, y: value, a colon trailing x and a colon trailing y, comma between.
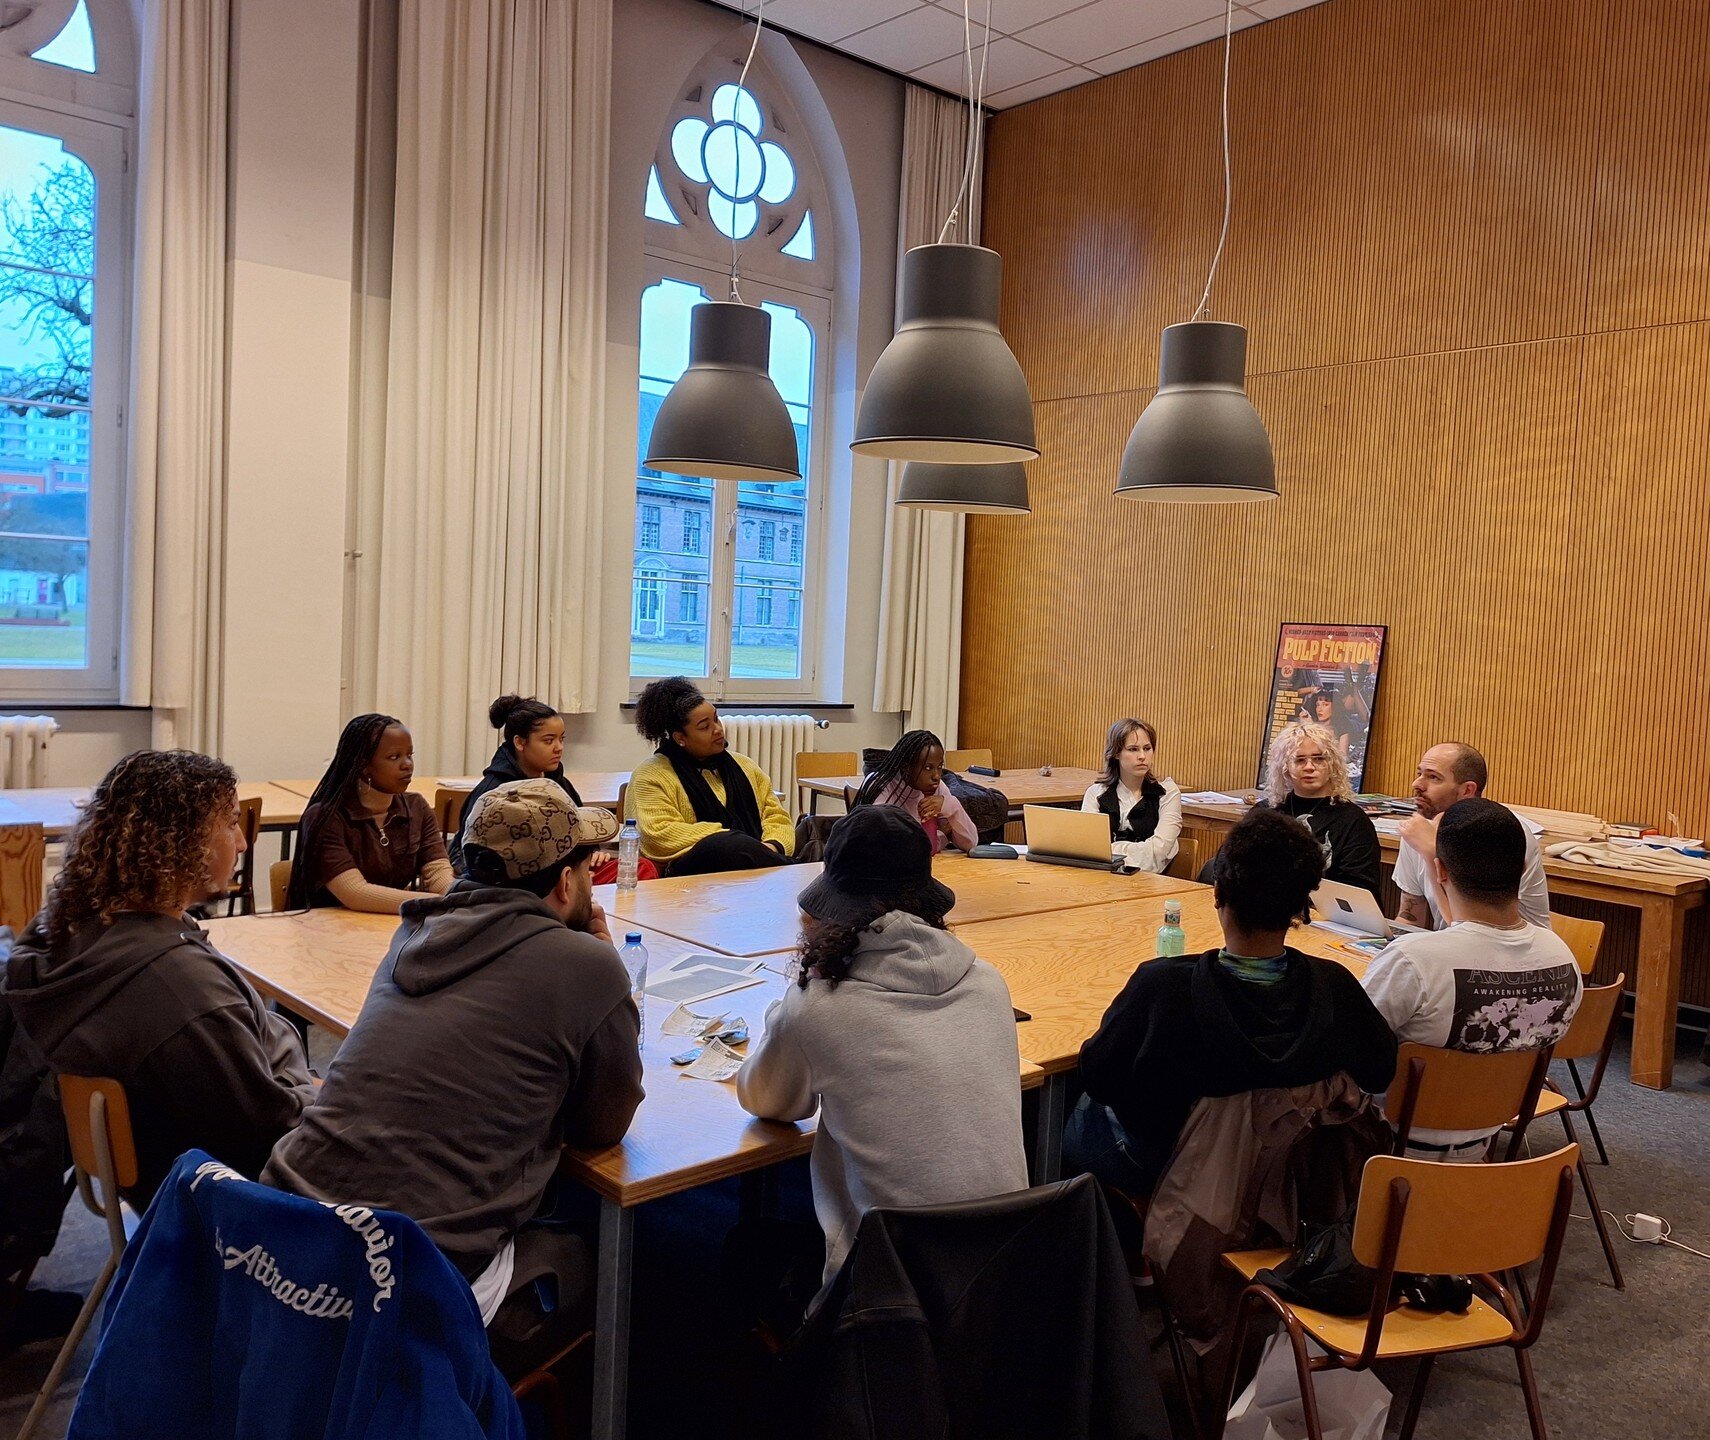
x: 727, y: 850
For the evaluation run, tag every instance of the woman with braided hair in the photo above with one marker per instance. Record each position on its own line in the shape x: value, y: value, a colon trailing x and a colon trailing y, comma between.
x: 114, y: 978
x: 700, y: 806
x: 367, y: 841
x: 911, y: 777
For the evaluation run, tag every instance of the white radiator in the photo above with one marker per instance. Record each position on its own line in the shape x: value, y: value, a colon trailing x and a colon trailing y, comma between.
x: 23, y: 750
x: 772, y: 742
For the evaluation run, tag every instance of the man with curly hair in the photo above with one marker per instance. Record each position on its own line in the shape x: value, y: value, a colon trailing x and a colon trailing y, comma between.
x: 113, y: 978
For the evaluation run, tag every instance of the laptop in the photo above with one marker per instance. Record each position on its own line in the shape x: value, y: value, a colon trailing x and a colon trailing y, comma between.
x: 1068, y: 837
x: 1352, y: 910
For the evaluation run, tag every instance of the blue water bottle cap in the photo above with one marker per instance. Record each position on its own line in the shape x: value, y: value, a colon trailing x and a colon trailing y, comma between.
x: 633, y: 937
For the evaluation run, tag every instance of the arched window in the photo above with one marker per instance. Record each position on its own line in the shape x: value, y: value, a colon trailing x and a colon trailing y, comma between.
x: 67, y: 97
x: 734, y: 183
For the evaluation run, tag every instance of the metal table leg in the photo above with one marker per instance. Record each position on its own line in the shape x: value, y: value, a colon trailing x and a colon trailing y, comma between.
x: 611, y: 1321
x: 1048, y: 1129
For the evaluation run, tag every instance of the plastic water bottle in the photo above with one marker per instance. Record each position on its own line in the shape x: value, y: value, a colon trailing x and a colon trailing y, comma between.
x: 628, y: 856
x: 1172, y: 939
x: 634, y: 957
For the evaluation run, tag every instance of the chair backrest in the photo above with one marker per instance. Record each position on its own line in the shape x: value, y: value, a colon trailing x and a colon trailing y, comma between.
x: 1584, y: 938
x: 960, y: 760
x: 279, y: 883
x: 241, y: 891
x: 1463, y: 1219
x: 1593, y: 1024
x: 23, y: 854
x: 622, y: 800
x: 1438, y: 1089
x: 1185, y: 866
x: 818, y: 764
x: 448, y: 806
x: 77, y: 1094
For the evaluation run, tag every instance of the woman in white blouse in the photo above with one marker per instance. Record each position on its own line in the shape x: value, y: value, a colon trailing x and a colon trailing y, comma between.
x: 1145, y: 811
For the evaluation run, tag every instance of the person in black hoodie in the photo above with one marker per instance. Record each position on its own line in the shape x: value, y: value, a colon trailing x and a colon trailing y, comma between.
x: 114, y: 979
x: 1306, y: 776
x: 499, y: 1027
x: 1252, y: 1015
x: 531, y: 747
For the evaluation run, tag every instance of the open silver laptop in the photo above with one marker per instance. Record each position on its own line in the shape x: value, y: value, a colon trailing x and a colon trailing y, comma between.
x: 1350, y: 910
x: 1068, y: 837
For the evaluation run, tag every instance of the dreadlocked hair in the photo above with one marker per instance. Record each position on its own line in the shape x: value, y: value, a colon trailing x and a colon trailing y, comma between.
x: 663, y: 707
x: 903, y: 757
x: 141, y: 842
x: 356, y: 747
x: 824, y: 952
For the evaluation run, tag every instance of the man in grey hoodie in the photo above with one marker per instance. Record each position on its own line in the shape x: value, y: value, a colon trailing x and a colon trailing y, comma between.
x: 900, y: 1037
x: 499, y: 1027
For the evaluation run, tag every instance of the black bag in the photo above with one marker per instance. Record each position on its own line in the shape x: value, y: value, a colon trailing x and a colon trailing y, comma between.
x: 1323, y: 1274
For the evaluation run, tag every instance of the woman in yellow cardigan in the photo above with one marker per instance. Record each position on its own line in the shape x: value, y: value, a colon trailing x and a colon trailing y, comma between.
x: 700, y: 806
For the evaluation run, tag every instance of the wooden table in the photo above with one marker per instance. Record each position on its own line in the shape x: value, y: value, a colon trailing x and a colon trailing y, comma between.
x: 596, y: 787
x: 754, y: 912
x: 1065, y: 785
x: 687, y: 1133
x: 1662, y: 901
x: 56, y: 809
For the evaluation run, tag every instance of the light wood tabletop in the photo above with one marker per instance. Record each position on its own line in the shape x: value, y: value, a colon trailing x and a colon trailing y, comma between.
x: 1065, y: 785
x: 754, y: 912
x: 56, y: 808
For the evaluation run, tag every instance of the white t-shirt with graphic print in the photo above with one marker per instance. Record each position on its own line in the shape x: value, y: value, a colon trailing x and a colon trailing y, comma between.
x: 1479, y: 988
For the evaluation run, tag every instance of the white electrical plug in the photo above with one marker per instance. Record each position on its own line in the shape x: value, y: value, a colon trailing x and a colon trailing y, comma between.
x: 1647, y: 1228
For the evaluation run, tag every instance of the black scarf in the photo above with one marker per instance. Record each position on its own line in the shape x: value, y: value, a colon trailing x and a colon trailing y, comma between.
x: 741, y: 808
x: 1142, y: 819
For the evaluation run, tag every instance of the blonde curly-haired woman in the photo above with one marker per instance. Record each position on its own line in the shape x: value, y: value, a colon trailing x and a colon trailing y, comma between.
x: 1306, y: 776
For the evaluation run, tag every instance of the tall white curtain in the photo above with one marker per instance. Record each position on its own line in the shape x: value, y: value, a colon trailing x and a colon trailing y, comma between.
x: 176, y: 588
x: 920, y: 605
x: 489, y: 485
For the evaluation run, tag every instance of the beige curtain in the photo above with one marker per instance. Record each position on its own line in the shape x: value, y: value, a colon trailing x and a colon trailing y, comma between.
x: 920, y: 605
x: 176, y: 589
x: 483, y: 505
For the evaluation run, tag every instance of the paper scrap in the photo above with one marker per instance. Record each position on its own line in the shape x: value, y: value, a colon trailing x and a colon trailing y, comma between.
x: 717, y: 1062
x: 684, y: 1021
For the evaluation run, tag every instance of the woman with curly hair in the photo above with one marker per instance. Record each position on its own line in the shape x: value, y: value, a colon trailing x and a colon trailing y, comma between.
x: 896, y: 1032
x: 113, y: 978
x: 700, y: 806
x: 367, y: 841
x: 1306, y: 776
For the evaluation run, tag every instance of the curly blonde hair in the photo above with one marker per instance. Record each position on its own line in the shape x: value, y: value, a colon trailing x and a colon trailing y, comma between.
x: 1285, y: 745
x: 142, y: 840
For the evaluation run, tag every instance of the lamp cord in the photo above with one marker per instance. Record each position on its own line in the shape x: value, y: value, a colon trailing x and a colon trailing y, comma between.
x: 741, y: 83
x: 1228, y: 180
x: 976, y: 99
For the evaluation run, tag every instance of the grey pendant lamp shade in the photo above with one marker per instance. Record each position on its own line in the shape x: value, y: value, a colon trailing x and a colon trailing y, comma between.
x: 973, y: 489
x: 1200, y: 440
x: 947, y: 389
x: 724, y: 418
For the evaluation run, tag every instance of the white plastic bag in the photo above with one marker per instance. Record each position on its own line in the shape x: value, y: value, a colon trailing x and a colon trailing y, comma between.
x: 1352, y: 1404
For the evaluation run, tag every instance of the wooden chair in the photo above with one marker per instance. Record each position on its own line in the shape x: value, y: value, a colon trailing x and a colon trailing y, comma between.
x: 1414, y: 1215
x: 1463, y: 1090
x: 1185, y: 865
x: 448, y: 806
x: 23, y: 857
x: 622, y: 800
x: 98, y: 1123
x: 279, y: 884
x: 1584, y: 938
x: 1590, y: 1037
x: 820, y: 765
x: 240, y: 894
x: 960, y: 760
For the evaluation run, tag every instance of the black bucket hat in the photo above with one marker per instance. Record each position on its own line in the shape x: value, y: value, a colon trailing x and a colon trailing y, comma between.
x: 877, y: 859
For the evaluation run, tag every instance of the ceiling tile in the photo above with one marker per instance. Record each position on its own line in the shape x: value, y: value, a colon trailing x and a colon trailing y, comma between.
x: 1008, y: 64
x: 1270, y: 9
x: 1107, y: 25
x: 1184, y: 39
x: 1045, y: 85
x: 829, y: 19
x: 918, y: 38
x: 1008, y: 16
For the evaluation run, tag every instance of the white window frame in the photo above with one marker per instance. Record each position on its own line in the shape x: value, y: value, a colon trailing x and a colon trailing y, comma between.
x: 104, y: 146
x: 721, y: 610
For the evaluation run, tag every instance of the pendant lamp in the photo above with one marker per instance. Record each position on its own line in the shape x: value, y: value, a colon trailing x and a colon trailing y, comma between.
x: 973, y: 489
x: 1199, y: 440
x: 947, y: 389
x: 724, y: 418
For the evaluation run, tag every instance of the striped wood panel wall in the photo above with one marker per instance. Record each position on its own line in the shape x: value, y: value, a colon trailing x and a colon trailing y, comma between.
x: 1472, y: 245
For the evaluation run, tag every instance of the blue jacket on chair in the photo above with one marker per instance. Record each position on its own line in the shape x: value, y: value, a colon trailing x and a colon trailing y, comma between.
x: 243, y: 1311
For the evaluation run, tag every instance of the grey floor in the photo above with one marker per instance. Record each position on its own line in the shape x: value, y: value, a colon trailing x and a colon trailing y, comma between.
x: 1610, y: 1363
